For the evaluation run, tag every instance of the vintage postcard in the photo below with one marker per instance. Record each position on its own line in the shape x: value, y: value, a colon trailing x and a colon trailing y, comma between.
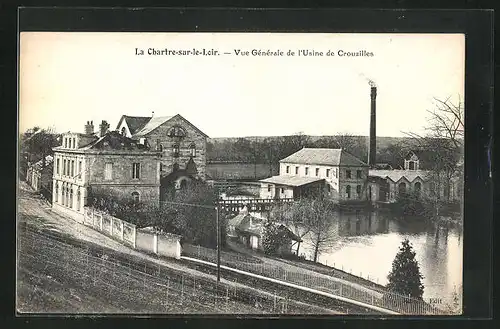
x: 240, y: 173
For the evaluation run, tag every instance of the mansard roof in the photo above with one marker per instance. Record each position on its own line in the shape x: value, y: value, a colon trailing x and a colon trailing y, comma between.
x: 324, y: 156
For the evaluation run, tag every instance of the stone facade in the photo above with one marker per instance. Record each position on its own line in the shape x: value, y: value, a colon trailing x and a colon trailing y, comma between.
x: 120, y: 181
x: 104, y: 165
x: 178, y: 150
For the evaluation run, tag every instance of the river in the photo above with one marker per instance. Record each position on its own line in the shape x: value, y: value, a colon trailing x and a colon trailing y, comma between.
x: 366, y: 243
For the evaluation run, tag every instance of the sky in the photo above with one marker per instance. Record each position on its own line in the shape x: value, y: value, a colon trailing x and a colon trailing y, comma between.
x: 68, y: 78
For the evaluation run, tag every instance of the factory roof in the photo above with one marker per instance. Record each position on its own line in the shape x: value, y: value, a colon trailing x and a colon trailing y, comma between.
x: 397, y: 175
x: 324, y: 156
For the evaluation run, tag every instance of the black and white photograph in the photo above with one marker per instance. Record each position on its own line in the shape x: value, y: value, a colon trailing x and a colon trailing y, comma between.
x: 240, y: 173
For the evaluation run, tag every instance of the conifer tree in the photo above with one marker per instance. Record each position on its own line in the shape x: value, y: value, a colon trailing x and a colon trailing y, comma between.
x: 405, y: 277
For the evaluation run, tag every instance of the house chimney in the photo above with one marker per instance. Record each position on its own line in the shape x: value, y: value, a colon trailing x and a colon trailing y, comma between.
x: 152, y: 113
x: 103, y: 128
x: 372, y: 151
x: 89, y: 128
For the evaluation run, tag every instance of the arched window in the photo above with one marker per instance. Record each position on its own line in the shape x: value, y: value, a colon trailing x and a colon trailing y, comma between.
x: 192, y: 149
x: 183, y: 184
x: 136, y: 197
x: 348, y: 191
x: 418, y: 187
x: 159, y: 147
x: 358, y: 190
x: 176, y: 132
x: 411, y: 165
x: 402, y: 188
x: 124, y: 131
x: 71, y: 197
x: 63, y: 195
x: 175, y: 150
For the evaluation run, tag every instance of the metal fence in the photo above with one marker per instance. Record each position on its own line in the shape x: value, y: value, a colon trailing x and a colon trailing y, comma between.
x: 140, y: 286
x: 318, y: 281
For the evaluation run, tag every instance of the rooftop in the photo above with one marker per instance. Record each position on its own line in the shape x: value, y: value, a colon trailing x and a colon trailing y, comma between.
x: 151, y: 125
x: 291, y: 180
x: 396, y: 175
x: 323, y: 156
x: 134, y: 123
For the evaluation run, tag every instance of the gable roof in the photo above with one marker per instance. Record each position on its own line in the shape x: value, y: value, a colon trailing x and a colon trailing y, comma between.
x: 155, y: 122
x: 151, y: 125
x: 323, y: 156
x: 134, y: 123
x: 397, y: 175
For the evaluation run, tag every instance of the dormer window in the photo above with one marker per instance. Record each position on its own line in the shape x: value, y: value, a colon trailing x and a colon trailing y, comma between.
x: 176, y: 132
x: 124, y: 132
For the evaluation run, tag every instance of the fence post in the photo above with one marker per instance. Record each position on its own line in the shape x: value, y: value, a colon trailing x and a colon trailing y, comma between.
x: 274, y: 308
x: 134, y: 229
x: 111, y: 226
x: 121, y: 230
x: 155, y: 243
x: 100, y: 222
x: 168, y: 286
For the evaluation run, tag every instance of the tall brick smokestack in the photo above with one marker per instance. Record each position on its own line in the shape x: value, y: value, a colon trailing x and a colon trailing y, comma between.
x: 372, y: 151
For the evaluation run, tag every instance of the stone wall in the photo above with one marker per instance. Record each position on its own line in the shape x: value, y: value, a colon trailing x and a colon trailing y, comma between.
x: 121, y: 184
x: 160, y: 135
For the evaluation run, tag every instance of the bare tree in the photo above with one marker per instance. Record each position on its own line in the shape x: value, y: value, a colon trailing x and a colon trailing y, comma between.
x: 309, y: 216
x: 447, y: 121
x: 443, y: 142
x: 294, y: 216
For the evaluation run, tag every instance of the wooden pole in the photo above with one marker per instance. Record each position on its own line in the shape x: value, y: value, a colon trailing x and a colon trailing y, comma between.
x: 218, y: 241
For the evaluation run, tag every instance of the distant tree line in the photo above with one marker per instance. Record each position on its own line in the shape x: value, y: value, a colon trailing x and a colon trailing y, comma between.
x: 269, y: 150
x: 273, y: 149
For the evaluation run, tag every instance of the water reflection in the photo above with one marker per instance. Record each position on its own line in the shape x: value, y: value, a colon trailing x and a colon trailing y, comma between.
x: 367, y: 242
x: 357, y: 223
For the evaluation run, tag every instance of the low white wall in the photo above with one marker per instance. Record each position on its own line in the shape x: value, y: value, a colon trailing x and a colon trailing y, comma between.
x: 169, y: 245
x: 163, y: 244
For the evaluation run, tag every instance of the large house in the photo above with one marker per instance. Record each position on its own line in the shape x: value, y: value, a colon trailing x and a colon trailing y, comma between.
x: 333, y: 173
x: 107, y: 162
x: 181, y: 144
